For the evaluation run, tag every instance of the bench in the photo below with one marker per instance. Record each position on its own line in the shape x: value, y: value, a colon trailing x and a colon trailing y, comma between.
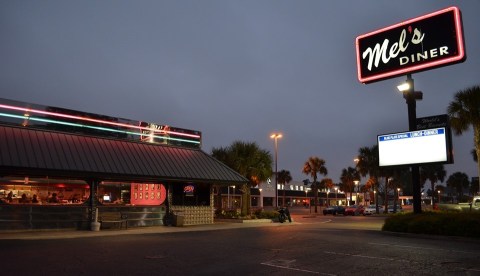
x: 115, y: 218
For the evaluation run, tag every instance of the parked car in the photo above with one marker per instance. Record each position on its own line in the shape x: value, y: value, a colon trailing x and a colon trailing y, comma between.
x: 334, y: 210
x: 354, y: 210
x: 372, y: 209
x: 399, y: 209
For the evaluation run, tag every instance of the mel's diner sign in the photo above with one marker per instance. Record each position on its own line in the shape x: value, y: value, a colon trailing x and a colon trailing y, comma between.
x: 418, y: 44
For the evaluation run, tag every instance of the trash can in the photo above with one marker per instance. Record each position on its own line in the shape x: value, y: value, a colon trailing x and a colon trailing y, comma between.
x: 178, y: 219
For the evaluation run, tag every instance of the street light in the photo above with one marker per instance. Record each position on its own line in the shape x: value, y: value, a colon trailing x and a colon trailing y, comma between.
x: 438, y: 196
x: 411, y: 96
x: 261, y: 197
x: 233, y: 203
x: 276, y: 136
x: 356, y: 197
x: 336, y: 201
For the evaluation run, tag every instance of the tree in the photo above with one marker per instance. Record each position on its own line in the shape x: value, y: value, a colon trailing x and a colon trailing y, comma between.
x: 434, y: 173
x: 284, y: 178
x: 327, y: 184
x: 464, y: 111
x: 368, y: 164
x: 348, y: 176
x: 312, y: 167
x: 458, y: 181
x: 248, y: 160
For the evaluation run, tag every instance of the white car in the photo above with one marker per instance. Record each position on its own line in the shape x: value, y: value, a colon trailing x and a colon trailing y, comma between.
x: 372, y: 209
x: 391, y: 210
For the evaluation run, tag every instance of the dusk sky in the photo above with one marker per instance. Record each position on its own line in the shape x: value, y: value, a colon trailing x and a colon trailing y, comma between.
x: 234, y: 70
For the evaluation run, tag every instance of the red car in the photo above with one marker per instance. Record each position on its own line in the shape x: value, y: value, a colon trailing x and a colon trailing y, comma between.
x: 354, y: 210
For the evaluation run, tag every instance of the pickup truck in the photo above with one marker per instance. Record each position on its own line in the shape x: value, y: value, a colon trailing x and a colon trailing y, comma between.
x: 473, y: 206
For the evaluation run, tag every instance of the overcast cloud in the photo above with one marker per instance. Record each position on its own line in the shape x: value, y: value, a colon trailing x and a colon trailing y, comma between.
x: 235, y: 70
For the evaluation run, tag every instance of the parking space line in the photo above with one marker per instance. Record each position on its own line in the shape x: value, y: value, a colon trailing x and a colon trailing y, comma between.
x: 284, y: 264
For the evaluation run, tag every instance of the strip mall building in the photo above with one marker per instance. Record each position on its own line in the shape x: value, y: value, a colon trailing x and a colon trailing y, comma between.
x: 62, y: 168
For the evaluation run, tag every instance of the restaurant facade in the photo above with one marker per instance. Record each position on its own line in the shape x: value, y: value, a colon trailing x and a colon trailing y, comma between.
x: 61, y: 168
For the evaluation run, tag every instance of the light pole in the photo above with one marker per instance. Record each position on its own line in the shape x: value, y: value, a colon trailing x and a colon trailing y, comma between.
x: 233, y: 203
x: 336, y: 201
x: 328, y: 191
x: 438, y: 196
x: 411, y: 96
x: 276, y: 136
x: 261, y: 198
x: 306, y: 200
x: 356, y: 197
x: 398, y: 195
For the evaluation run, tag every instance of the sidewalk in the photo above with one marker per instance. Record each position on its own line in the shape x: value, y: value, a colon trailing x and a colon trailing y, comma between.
x: 296, y: 212
x: 68, y: 234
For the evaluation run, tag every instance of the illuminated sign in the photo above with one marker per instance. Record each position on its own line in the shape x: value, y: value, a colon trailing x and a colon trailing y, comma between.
x: 414, y: 147
x: 189, y: 190
x: 67, y: 120
x: 419, y: 44
x: 147, y: 194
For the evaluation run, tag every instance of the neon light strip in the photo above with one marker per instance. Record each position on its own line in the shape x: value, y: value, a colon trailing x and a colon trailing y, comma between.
x: 91, y: 127
x: 459, y: 56
x: 28, y: 110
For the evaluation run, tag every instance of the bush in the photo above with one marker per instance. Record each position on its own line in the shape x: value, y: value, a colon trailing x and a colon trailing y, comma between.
x: 262, y: 214
x: 233, y: 214
x: 226, y: 214
x: 436, y: 223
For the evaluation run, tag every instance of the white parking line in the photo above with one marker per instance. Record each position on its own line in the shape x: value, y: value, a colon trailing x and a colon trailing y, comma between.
x: 285, y: 264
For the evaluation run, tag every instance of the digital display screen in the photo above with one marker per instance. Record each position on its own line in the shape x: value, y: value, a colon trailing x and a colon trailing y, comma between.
x: 414, y: 147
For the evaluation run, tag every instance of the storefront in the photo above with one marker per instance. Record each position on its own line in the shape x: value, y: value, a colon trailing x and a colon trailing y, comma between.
x: 62, y: 168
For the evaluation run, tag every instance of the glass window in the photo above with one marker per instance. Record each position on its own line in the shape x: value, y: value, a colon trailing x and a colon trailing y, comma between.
x: 25, y: 190
x: 191, y: 194
x: 125, y: 193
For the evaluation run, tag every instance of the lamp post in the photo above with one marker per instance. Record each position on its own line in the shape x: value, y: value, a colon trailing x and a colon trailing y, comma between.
x: 328, y: 191
x: 306, y: 200
x: 438, y: 196
x: 336, y: 200
x: 356, y: 197
x: 233, y: 203
x: 228, y: 197
x: 276, y: 136
x: 261, y: 198
x: 411, y: 96
x: 398, y: 195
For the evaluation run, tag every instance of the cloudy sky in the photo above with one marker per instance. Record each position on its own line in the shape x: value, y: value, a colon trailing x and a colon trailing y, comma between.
x: 235, y: 70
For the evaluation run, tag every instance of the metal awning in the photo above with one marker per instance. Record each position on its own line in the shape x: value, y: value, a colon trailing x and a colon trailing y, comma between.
x: 30, y: 152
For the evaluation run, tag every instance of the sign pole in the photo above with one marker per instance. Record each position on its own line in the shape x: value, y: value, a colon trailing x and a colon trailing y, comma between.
x: 411, y: 96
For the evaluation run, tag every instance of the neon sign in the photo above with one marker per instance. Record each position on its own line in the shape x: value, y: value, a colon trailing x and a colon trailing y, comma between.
x: 419, y: 44
x: 54, y: 118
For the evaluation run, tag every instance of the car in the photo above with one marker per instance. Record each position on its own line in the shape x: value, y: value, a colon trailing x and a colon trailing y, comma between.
x: 372, y: 209
x: 334, y: 210
x: 354, y: 210
x: 399, y: 209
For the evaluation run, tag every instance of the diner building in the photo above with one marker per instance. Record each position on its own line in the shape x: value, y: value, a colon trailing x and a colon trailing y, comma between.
x: 61, y: 168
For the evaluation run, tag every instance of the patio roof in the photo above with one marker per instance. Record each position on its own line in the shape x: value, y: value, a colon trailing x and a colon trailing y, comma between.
x: 30, y: 152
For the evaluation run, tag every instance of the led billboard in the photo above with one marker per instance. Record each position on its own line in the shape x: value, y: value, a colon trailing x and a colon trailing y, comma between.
x: 414, y: 147
x: 418, y: 44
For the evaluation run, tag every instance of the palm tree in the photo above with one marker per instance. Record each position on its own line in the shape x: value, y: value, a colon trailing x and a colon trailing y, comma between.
x: 348, y: 177
x: 458, y: 181
x: 327, y: 184
x: 313, y: 166
x: 368, y: 164
x: 464, y: 112
x: 434, y: 173
x: 248, y: 160
x: 284, y: 178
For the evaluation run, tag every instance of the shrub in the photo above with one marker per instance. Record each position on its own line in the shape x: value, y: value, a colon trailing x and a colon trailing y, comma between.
x: 262, y: 214
x: 436, y: 223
